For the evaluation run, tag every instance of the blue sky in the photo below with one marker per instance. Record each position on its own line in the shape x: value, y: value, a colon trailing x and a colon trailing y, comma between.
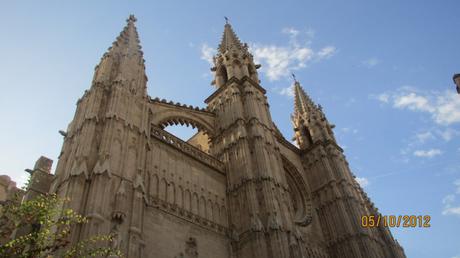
x: 382, y: 70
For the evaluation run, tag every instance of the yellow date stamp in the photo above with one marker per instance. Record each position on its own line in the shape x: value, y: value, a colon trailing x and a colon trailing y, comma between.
x: 392, y: 221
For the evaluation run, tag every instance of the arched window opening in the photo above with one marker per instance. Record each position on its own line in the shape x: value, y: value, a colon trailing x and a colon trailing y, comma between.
x: 194, y: 137
x: 307, y: 134
x: 223, y: 74
x: 182, y: 132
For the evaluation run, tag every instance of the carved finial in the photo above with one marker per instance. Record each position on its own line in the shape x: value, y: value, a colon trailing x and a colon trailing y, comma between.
x: 131, y: 18
x: 226, y: 19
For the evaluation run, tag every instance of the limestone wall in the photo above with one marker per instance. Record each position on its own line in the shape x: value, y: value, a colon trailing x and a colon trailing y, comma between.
x: 7, y: 187
x: 186, y: 200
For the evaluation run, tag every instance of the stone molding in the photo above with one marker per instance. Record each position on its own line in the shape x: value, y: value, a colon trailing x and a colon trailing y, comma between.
x: 184, y: 214
x: 187, y: 148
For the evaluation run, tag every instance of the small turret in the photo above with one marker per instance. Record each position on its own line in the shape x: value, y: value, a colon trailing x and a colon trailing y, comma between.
x: 310, y: 123
x: 233, y: 59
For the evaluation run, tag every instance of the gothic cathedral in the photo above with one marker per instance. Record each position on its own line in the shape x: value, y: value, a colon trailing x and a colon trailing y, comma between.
x: 236, y: 189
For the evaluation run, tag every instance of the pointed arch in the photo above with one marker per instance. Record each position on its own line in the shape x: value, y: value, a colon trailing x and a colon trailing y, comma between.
x: 153, y: 185
x: 180, y: 197
x: 187, y: 200
x: 209, y: 210
x: 171, y: 194
x: 194, y: 203
x: 223, y: 214
x: 222, y: 71
x: 215, y: 212
x: 202, y: 205
x: 162, y: 189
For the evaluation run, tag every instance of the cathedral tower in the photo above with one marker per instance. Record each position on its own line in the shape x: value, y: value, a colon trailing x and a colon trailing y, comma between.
x: 337, y: 196
x: 102, y: 159
x: 245, y: 141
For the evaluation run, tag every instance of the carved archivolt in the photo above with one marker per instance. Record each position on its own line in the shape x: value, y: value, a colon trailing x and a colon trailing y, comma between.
x: 164, y: 114
x: 299, y: 194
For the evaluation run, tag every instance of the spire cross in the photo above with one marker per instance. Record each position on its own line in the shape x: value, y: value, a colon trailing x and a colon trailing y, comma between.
x: 226, y: 19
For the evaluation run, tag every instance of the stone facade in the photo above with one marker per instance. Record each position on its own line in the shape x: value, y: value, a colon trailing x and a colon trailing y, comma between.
x: 238, y: 188
x: 7, y: 188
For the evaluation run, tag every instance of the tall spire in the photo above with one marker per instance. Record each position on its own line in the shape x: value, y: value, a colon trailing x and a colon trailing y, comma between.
x: 123, y: 62
x: 233, y: 59
x: 127, y: 42
x: 229, y: 39
x: 303, y: 103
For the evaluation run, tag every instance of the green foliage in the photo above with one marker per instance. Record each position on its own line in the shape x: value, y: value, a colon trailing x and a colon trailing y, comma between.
x: 47, y: 228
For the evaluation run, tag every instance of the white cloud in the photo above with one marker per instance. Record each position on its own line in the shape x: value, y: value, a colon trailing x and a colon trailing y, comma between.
x: 371, y: 62
x: 384, y: 97
x: 449, y: 208
x: 326, y: 52
x: 279, y: 61
x: 423, y: 137
x: 448, y: 134
x: 448, y: 199
x: 288, y: 91
x: 427, y: 153
x: 444, y: 107
x: 349, y: 130
x: 362, y: 181
x: 457, y: 185
x: 447, y: 109
x: 291, y: 31
x: 207, y: 53
x: 451, y: 211
x: 413, y: 102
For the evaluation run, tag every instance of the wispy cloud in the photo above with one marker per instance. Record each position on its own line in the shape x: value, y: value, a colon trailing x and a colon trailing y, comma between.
x: 384, y: 97
x: 448, y: 134
x: 427, y: 153
x: 208, y: 53
x: 449, y: 206
x: 288, y: 91
x: 326, y: 52
x: 362, y: 181
x: 424, y: 136
x: 443, y: 107
x: 371, y: 62
x: 449, y: 209
x: 291, y: 31
x: 350, y: 102
x: 457, y: 186
x: 349, y: 130
x: 279, y: 60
